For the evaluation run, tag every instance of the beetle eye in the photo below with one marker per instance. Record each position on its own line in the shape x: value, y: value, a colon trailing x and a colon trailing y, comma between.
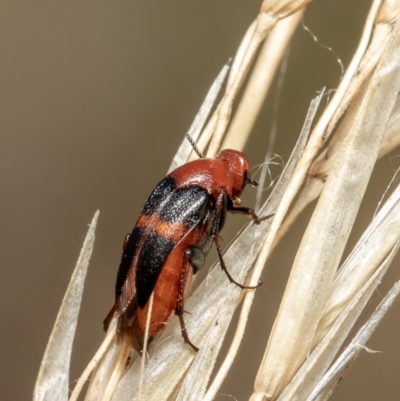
x: 245, y: 178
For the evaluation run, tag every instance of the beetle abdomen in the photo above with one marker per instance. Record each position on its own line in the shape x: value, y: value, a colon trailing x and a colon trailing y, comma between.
x: 166, y: 294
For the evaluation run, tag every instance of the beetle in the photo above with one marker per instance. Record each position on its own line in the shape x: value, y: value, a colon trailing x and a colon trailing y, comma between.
x: 171, y: 239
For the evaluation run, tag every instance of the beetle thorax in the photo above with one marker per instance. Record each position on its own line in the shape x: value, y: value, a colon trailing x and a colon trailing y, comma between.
x: 226, y: 172
x: 238, y: 167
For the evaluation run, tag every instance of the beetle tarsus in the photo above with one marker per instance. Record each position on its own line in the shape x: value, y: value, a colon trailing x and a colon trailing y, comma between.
x: 224, y: 268
x: 260, y: 219
x: 249, y: 212
x: 184, y: 331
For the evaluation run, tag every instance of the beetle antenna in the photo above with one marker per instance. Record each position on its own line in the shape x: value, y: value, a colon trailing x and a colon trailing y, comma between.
x: 252, y: 182
x: 194, y: 146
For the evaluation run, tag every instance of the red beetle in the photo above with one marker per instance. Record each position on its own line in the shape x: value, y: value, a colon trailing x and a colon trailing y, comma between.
x: 171, y: 239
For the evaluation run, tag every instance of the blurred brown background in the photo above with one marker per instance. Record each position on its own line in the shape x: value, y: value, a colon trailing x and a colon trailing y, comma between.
x: 94, y: 99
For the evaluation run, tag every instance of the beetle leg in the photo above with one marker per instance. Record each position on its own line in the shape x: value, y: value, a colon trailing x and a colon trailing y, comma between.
x: 179, y: 309
x: 224, y: 268
x: 196, y: 257
x: 248, y: 211
x: 185, y: 334
x: 214, y: 234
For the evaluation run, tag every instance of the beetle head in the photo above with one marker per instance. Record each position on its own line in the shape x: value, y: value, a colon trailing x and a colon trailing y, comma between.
x: 239, y: 166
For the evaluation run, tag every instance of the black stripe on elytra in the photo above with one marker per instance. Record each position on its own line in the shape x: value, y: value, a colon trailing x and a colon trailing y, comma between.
x: 153, y: 255
x: 189, y: 205
x: 159, y: 196
x: 128, y: 254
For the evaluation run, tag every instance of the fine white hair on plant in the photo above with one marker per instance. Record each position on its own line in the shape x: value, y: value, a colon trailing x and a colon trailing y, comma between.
x: 316, y: 40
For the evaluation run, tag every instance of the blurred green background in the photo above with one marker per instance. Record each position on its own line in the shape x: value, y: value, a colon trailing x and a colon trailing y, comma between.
x: 95, y: 98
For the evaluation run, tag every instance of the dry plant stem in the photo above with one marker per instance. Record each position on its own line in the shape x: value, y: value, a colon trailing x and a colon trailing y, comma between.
x: 264, y: 23
x: 323, y: 390
x: 368, y: 63
x: 101, y: 374
x: 207, y: 133
x: 388, y: 13
x: 321, y: 127
x: 313, y: 369
x: 392, y: 135
x: 117, y: 371
x: 95, y: 360
x: 280, y: 212
x: 283, y: 8
x: 184, y: 151
x: 321, y: 166
x: 319, y: 169
x: 53, y: 378
x: 326, y: 235
x: 372, y: 248
x: 321, y: 132
x: 209, y: 129
x: 145, y: 342
x: 240, y: 53
x: 260, y: 81
x: 167, y: 364
x: 270, y: 13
